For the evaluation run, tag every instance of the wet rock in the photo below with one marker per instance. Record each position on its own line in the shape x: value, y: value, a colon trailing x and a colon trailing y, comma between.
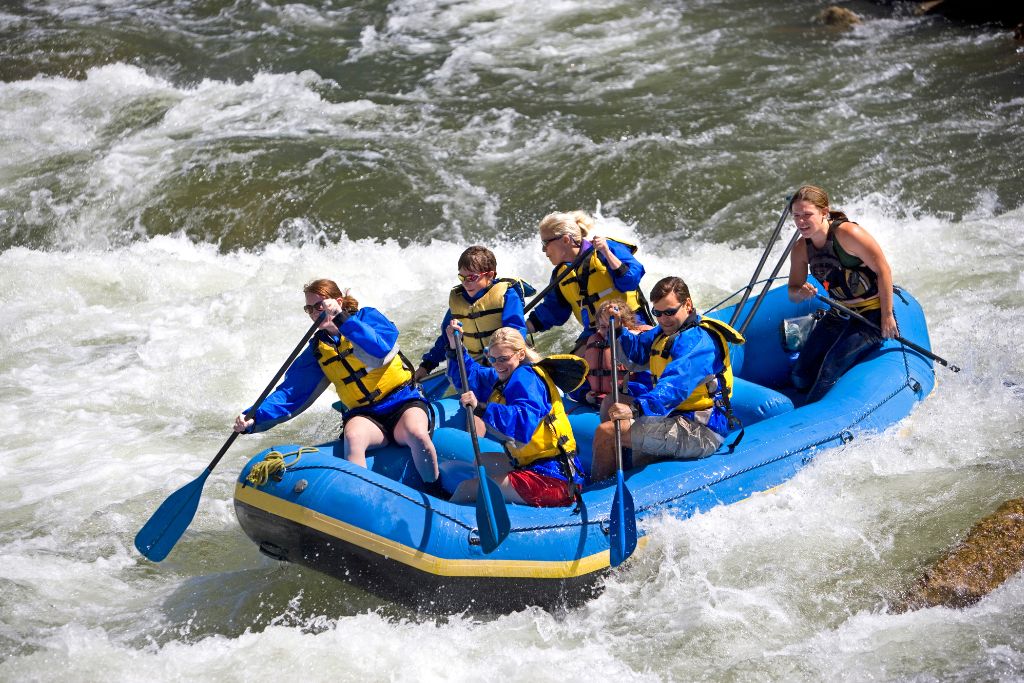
x: 999, y: 12
x: 839, y: 17
x: 992, y: 552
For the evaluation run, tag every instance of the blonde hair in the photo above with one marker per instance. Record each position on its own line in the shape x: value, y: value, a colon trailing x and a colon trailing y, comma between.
x: 575, y: 224
x: 513, y: 338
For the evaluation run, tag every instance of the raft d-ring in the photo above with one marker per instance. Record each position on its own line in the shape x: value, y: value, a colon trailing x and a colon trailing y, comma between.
x: 915, y: 386
x: 605, y: 525
x: 474, y: 537
x: 846, y: 436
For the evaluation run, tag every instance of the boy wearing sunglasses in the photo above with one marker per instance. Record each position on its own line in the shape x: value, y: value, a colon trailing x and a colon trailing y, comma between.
x: 686, y: 414
x: 483, y: 303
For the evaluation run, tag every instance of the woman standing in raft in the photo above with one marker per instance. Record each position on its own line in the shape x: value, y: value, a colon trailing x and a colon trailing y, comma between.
x: 356, y: 350
x: 523, y: 409
x: 853, y: 270
x: 609, y: 272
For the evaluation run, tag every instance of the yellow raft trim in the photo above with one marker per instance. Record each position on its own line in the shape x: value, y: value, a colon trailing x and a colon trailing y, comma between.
x: 389, y: 549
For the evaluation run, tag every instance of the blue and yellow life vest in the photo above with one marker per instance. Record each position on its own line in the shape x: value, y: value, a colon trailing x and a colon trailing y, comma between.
x: 716, y: 387
x: 357, y: 386
x: 591, y: 285
x: 482, y: 317
x: 553, y: 436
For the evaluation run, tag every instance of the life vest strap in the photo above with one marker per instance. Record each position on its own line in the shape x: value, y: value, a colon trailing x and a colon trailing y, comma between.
x: 473, y: 315
x: 340, y: 355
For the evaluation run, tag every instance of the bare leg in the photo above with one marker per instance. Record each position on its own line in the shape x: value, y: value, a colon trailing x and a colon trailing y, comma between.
x: 604, y: 463
x: 413, y: 430
x: 497, y: 467
x: 361, y: 435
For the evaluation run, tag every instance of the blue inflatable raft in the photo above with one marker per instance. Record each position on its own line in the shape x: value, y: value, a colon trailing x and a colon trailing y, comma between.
x: 377, y: 529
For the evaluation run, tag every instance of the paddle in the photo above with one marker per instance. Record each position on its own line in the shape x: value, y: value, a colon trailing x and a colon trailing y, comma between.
x: 170, y: 520
x: 764, y: 257
x: 491, y: 514
x: 584, y: 253
x: 854, y: 314
x: 768, y: 284
x: 622, y: 536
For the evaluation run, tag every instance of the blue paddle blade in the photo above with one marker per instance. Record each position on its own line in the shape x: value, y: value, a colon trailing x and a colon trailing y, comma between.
x: 622, y: 538
x: 169, y: 522
x: 491, y: 513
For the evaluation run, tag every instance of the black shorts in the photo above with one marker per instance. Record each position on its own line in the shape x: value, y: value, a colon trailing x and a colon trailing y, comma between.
x: 386, y: 421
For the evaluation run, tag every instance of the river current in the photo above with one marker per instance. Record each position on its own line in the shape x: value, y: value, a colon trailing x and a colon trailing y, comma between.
x: 172, y: 172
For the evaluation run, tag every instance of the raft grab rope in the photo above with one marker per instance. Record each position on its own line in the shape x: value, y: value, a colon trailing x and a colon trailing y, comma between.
x: 273, y: 464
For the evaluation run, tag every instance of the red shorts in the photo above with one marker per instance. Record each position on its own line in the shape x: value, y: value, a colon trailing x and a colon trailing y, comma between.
x: 538, y: 490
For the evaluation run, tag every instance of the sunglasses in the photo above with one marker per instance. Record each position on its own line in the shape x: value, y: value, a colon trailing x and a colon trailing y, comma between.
x: 473, y: 277
x: 499, y: 359
x: 668, y: 311
x: 544, y: 243
x: 310, y: 309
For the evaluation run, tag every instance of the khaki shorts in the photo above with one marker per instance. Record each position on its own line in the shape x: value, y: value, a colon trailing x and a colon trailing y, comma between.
x: 674, y: 437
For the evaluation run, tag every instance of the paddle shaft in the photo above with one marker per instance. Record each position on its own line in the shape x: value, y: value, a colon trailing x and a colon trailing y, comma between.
x: 764, y: 290
x: 622, y: 518
x: 764, y: 257
x: 584, y: 253
x: 906, y: 342
x: 491, y: 514
x: 165, y: 526
x: 615, y: 391
x: 470, y: 422
x: 270, y: 387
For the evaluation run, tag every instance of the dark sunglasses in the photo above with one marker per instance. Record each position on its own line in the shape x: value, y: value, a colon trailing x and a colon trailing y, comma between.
x: 310, y: 309
x: 472, y: 277
x: 544, y: 243
x: 668, y: 311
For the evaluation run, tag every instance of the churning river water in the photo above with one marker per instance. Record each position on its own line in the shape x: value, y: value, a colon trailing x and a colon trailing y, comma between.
x: 172, y: 172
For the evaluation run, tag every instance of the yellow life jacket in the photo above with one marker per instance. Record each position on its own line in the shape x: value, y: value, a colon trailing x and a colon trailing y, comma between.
x: 591, y: 285
x: 482, y: 317
x: 553, y: 436
x: 703, y: 397
x: 357, y: 386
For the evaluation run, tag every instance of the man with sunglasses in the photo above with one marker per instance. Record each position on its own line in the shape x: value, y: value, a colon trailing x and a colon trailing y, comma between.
x: 686, y: 414
x: 483, y: 303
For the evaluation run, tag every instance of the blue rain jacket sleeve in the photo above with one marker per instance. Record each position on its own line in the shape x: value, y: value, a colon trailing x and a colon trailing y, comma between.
x: 635, y: 349
x: 526, y: 404
x: 301, y: 386
x: 525, y: 393
x: 437, y: 352
x: 375, y: 342
x: 374, y: 337
x: 694, y: 356
x: 512, y: 315
x: 630, y: 279
x: 480, y: 377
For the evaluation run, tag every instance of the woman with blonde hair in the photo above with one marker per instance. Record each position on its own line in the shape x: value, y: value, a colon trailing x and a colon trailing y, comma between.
x: 356, y: 350
x: 607, y: 271
x: 517, y: 401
